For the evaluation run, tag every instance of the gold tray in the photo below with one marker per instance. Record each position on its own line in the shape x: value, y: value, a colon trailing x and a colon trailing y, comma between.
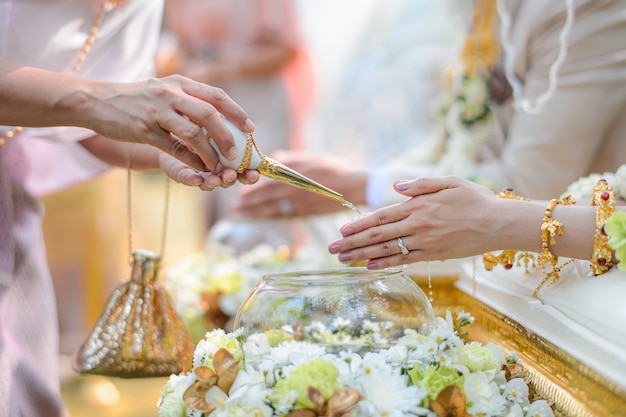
x: 577, y: 390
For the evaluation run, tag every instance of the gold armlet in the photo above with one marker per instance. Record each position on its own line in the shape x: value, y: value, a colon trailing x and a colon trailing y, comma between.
x: 604, y: 201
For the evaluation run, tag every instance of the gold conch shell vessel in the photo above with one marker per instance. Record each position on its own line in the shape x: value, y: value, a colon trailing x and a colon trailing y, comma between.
x: 250, y: 157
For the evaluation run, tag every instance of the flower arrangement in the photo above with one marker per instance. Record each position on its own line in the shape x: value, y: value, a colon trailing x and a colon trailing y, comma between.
x: 279, y: 373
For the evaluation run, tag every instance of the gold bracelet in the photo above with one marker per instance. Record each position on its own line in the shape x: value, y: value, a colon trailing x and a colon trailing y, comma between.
x: 603, y: 199
x: 550, y: 228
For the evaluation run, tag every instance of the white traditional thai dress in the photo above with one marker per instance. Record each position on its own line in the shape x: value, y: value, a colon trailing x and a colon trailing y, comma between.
x: 50, y: 34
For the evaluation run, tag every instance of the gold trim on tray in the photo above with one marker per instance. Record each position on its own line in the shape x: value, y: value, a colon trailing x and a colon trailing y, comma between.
x: 577, y: 390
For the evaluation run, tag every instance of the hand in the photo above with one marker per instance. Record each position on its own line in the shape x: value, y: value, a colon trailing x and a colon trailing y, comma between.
x: 206, y: 181
x: 444, y: 218
x: 271, y: 199
x: 169, y: 113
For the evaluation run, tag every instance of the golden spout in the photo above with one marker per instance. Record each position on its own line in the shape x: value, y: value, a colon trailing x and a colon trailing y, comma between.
x: 275, y: 170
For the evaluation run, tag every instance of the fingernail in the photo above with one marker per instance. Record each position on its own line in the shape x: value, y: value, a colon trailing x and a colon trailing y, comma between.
x: 345, y: 257
x: 347, y: 231
x: 402, y: 186
x: 218, y: 168
x: 334, y: 248
x: 248, y: 125
x: 372, y: 265
x: 232, y: 153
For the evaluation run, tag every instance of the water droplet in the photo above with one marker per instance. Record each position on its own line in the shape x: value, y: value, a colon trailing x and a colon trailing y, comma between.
x: 430, y: 284
x: 352, y: 207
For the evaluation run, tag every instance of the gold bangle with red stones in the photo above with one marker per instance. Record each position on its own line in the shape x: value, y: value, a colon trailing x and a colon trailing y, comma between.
x: 604, y: 201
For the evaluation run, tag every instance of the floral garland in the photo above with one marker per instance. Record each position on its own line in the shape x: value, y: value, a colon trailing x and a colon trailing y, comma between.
x: 272, y: 374
x: 462, y: 110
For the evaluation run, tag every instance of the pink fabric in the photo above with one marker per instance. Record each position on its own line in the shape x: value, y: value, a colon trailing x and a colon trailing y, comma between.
x: 29, y: 384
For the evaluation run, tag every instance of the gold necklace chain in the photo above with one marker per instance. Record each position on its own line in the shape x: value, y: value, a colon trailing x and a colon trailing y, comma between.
x: 104, y: 7
x: 129, y: 210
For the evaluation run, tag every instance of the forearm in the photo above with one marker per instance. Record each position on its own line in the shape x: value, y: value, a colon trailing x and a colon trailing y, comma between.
x: 35, y: 98
x: 521, y: 228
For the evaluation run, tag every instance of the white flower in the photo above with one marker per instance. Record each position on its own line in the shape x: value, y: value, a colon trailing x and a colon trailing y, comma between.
x: 540, y: 408
x: 293, y: 353
x: 464, y: 318
x: 388, y: 393
x: 581, y: 190
x: 171, y: 401
x: 516, y: 391
x: 483, y: 394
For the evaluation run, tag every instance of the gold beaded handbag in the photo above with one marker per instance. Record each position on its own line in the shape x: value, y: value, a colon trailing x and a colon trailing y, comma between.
x: 139, y: 334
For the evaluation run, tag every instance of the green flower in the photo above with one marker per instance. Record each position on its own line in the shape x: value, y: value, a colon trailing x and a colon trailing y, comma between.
x: 276, y: 336
x: 479, y: 358
x: 615, y: 228
x: 318, y: 373
x: 434, y: 379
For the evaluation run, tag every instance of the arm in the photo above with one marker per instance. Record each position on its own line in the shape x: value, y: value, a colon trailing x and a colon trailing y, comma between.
x: 164, y: 113
x: 449, y: 217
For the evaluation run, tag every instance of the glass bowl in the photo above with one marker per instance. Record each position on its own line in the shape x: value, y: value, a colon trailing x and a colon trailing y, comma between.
x: 350, y: 308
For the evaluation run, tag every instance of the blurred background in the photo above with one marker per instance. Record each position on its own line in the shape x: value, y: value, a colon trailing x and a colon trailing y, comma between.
x: 360, y: 85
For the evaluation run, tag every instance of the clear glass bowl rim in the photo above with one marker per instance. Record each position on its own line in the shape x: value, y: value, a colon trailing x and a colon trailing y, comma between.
x: 332, y: 276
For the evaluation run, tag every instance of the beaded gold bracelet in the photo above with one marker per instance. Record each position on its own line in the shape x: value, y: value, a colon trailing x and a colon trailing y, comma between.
x: 550, y: 228
x: 603, y: 199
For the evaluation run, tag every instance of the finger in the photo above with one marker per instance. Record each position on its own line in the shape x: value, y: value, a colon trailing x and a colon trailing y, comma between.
x: 189, y: 130
x: 380, y: 217
x: 229, y: 177
x: 210, y: 181
x: 170, y: 145
x: 188, y: 176
x: 265, y: 211
x: 425, y: 185
x: 379, y: 250
x: 249, y: 177
x: 223, y: 103
x: 178, y: 171
x: 210, y: 116
x: 270, y: 209
x: 395, y: 260
x: 263, y: 193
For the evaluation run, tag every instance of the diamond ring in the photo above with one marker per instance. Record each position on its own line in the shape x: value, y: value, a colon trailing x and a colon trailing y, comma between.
x: 403, y: 249
x: 285, y: 207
